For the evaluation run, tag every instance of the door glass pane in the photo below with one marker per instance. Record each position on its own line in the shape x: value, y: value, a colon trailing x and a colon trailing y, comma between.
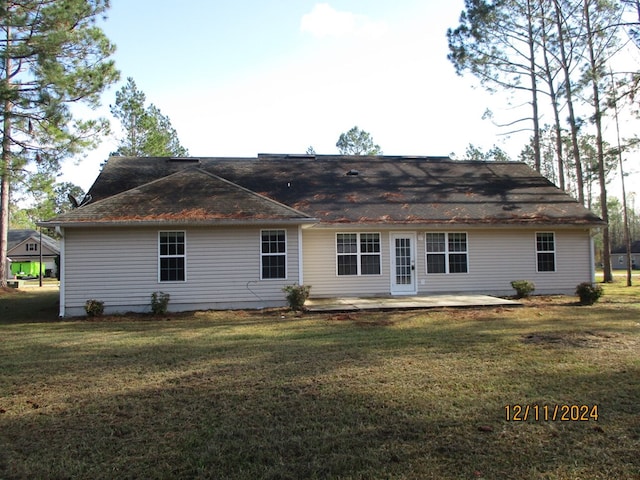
x: 403, y: 261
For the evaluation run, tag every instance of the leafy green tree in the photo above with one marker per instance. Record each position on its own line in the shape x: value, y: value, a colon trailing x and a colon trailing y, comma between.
x: 53, y: 56
x: 45, y: 198
x: 357, y: 142
x: 147, y: 131
x: 495, y: 154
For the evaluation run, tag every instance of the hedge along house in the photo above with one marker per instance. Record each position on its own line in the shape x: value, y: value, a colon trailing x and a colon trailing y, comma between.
x: 220, y: 233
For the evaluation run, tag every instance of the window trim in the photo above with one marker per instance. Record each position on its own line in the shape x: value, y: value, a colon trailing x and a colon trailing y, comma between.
x: 555, y: 249
x: 183, y: 256
x: 32, y: 246
x: 447, y: 253
x: 359, y: 253
x: 285, y: 254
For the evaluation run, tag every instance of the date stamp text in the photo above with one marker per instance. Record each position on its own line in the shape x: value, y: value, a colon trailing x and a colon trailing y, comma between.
x: 551, y: 413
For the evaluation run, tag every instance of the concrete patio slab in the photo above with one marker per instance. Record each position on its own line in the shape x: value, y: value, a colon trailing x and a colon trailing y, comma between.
x: 391, y: 303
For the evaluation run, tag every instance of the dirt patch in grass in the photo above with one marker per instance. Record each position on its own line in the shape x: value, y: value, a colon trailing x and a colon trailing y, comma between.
x: 362, y: 320
x: 585, y: 339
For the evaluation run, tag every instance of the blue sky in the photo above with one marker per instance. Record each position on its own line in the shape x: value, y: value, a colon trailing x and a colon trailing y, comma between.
x: 242, y: 77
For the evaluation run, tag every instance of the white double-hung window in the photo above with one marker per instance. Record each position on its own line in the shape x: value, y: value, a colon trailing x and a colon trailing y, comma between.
x: 447, y: 252
x: 358, y: 254
x: 172, y: 257
x: 273, y: 254
x: 546, y: 251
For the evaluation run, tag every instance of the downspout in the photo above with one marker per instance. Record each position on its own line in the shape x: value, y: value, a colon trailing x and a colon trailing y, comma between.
x: 300, y: 262
x: 61, y: 273
x: 592, y: 255
x: 40, y: 267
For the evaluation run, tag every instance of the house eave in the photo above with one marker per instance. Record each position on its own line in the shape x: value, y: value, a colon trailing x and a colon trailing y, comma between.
x: 173, y: 222
x: 440, y: 224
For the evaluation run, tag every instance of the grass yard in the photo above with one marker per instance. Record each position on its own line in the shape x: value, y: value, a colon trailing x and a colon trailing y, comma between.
x: 268, y: 395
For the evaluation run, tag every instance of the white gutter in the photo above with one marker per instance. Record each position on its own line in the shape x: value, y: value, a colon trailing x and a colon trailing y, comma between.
x: 399, y: 226
x: 164, y: 223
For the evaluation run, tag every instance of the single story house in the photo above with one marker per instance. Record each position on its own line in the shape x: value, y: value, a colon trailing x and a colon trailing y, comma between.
x: 24, y: 247
x: 619, y: 257
x: 218, y: 233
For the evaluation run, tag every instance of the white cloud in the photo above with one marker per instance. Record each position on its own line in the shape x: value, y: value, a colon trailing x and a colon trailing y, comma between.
x: 325, y: 21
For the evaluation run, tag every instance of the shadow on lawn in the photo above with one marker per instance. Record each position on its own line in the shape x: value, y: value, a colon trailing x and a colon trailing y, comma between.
x: 266, y: 419
x: 29, y: 305
x: 355, y: 398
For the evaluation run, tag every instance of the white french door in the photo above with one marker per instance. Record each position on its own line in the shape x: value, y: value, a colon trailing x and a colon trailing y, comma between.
x: 403, y: 263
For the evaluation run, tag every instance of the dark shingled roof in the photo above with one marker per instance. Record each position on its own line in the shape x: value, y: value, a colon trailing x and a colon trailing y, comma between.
x: 635, y: 248
x: 331, y: 189
x: 16, y: 237
x: 190, y: 195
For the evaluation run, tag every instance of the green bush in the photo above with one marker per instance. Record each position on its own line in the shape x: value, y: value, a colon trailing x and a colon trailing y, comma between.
x: 159, y: 303
x: 589, y: 293
x: 94, y: 308
x: 523, y: 288
x: 296, y: 296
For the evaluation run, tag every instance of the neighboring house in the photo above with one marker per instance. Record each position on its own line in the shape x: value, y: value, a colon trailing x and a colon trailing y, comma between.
x: 619, y: 257
x: 220, y: 233
x: 24, y: 247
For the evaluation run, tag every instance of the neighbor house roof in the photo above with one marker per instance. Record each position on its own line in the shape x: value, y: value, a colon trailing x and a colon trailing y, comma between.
x: 635, y: 248
x: 330, y: 189
x: 17, y: 237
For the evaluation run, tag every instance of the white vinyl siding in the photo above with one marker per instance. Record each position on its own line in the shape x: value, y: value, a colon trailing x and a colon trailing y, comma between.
x: 320, y: 271
x: 495, y: 257
x: 223, y: 266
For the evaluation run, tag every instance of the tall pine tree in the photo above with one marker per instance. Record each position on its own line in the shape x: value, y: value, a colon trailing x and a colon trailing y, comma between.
x: 53, y: 55
x: 147, y: 132
x: 357, y: 142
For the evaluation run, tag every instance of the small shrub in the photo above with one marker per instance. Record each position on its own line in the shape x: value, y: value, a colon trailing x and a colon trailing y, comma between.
x: 296, y: 296
x: 94, y: 308
x: 523, y: 288
x: 589, y: 293
x: 159, y: 303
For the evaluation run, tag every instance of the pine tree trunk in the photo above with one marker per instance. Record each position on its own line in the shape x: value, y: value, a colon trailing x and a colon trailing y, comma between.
x: 5, y: 170
x: 534, y: 90
x: 606, y: 241
x: 569, y: 95
x: 554, y: 100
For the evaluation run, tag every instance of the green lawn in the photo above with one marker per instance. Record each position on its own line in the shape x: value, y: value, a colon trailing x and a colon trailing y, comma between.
x: 246, y: 395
